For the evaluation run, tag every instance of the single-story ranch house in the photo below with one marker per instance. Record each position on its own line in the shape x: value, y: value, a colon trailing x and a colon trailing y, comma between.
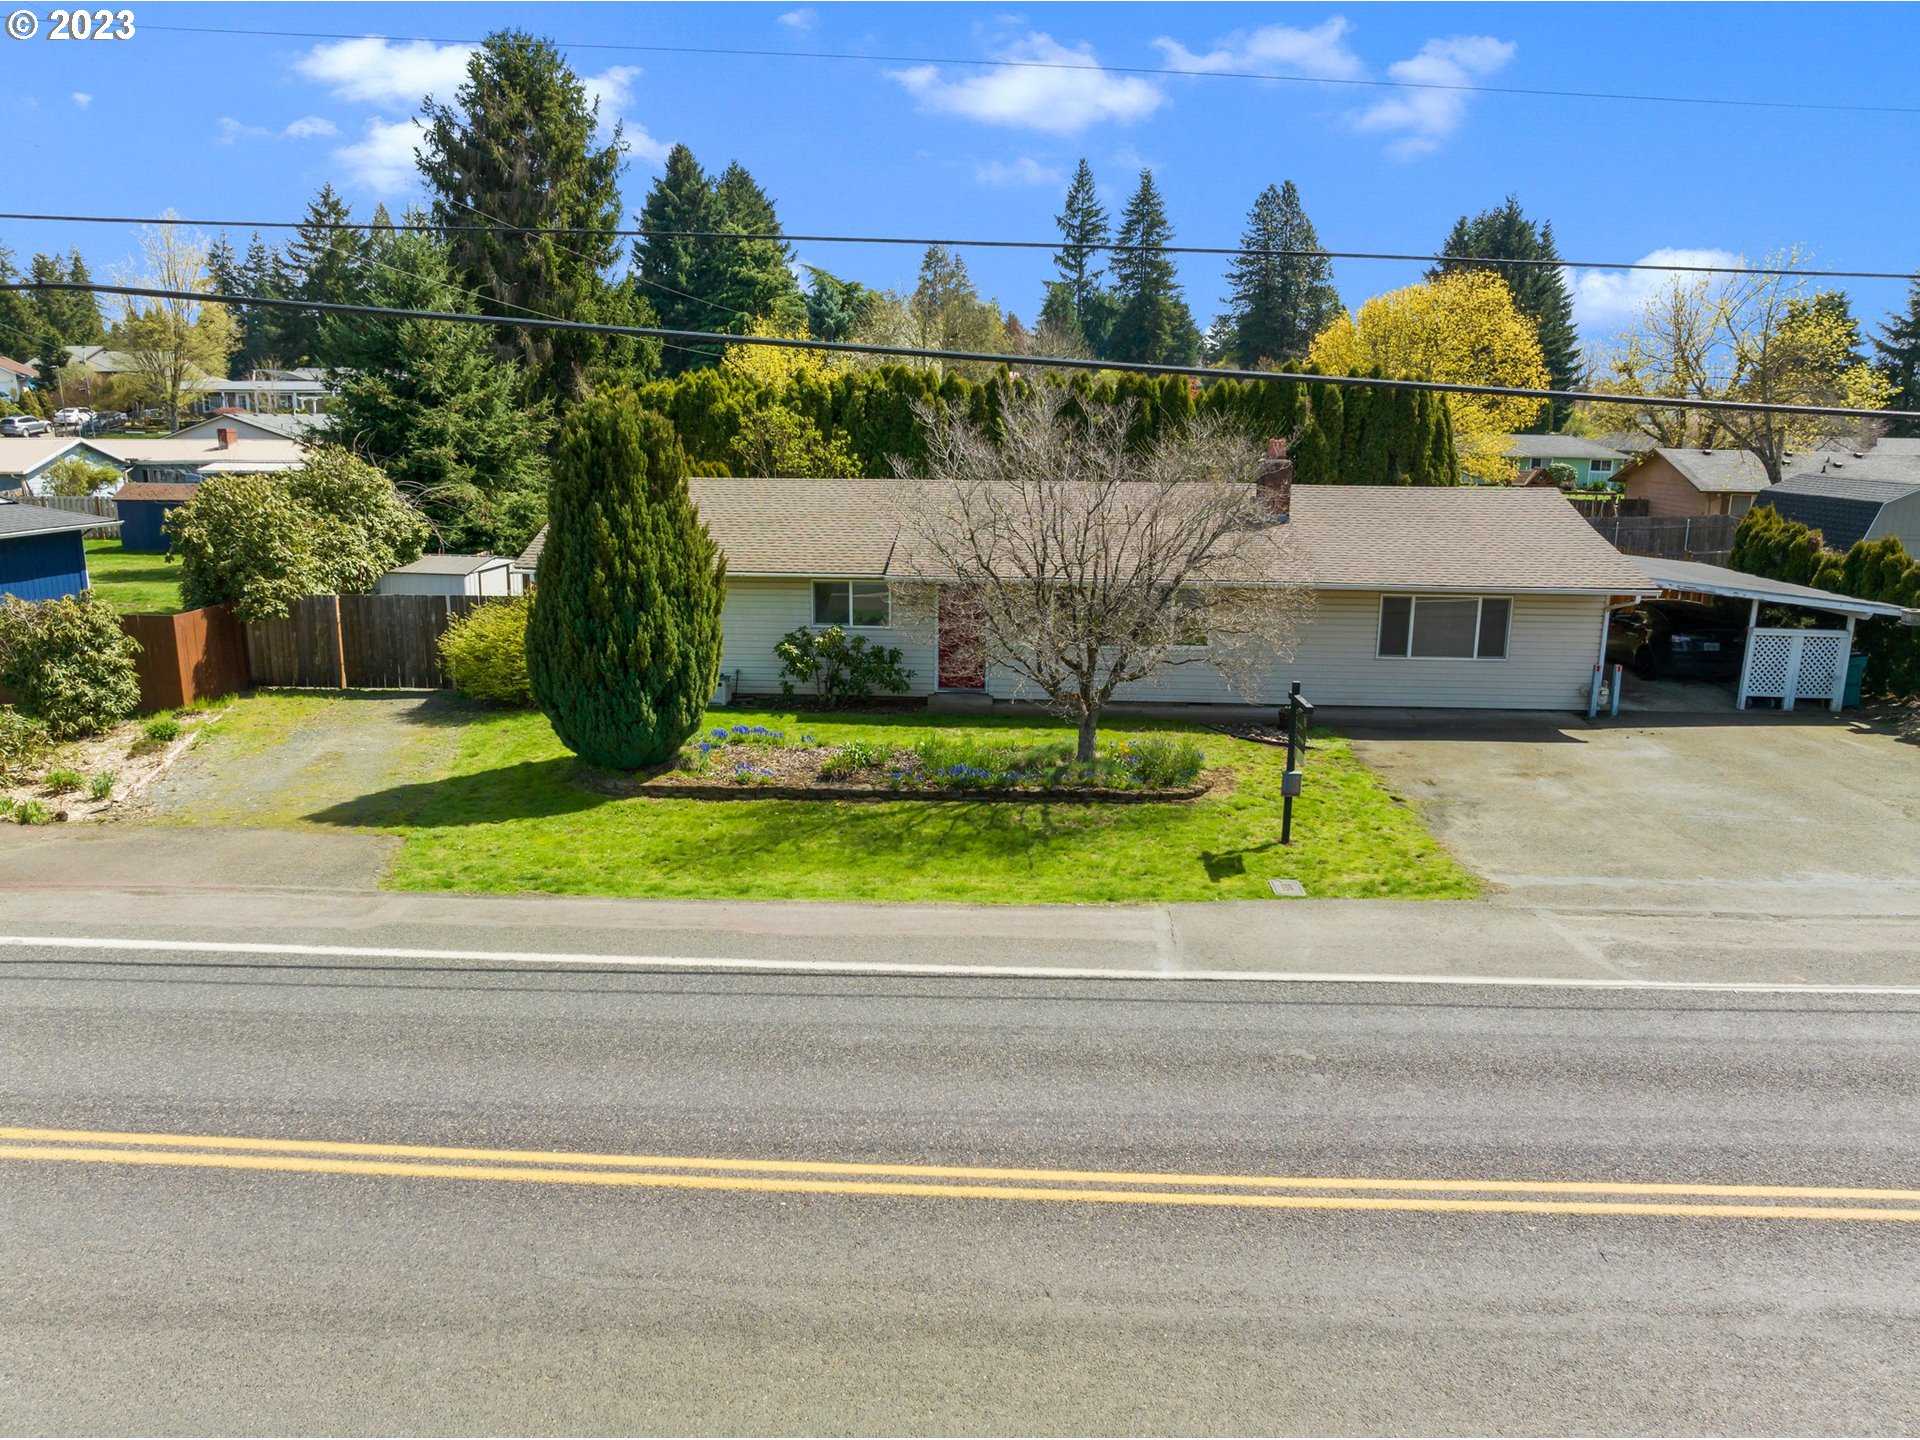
x: 1464, y: 597
x: 43, y: 555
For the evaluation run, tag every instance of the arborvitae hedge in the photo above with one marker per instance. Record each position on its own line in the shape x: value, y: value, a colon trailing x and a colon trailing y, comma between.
x: 1767, y: 543
x: 623, y: 647
x: 1344, y: 434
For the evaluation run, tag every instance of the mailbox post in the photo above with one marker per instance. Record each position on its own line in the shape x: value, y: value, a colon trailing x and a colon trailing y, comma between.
x: 1298, y: 716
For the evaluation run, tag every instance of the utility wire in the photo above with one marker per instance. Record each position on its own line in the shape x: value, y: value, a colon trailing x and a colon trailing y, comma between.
x: 735, y: 52
x: 909, y: 352
x: 748, y: 235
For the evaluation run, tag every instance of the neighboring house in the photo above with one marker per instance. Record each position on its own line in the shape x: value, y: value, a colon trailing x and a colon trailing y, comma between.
x: 1851, y: 504
x: 264, y: 392
x: 1468, y: 597
x: 100, y: 360
x: 453, y: 575
x: 143, y: 509
x: 1628, y: 442
x: 43, y: 555
x: 24, y: 461
x: 182, y: 459
x: 1592, y: 462
x: 1680, y: 482
x: 16, y: 377
x: 256, y: 427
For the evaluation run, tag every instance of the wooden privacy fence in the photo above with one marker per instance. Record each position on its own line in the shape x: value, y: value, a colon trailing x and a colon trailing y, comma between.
x: 1707, y: 538
x: 356, y: 642
x: 187, y: 657
x: 100, y: 505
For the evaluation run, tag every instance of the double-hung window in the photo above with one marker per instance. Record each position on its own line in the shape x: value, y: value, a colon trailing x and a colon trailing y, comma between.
x: 1444, y: 627
x: 856, y: 604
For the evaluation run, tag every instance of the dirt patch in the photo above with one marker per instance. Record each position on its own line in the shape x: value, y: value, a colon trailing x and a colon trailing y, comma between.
x: 99, y: 777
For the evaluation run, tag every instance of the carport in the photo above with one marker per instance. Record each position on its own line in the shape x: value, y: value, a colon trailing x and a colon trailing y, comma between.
x: 1780, y: 664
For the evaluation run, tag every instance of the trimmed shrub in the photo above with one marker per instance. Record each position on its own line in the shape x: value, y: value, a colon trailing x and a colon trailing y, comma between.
x: 623, y: 646
x: 68, y: 663
x: 485, y: 652
x: 838, y: 666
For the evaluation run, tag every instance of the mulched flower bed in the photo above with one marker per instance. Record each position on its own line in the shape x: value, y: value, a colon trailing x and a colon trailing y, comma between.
x: 753, y: 763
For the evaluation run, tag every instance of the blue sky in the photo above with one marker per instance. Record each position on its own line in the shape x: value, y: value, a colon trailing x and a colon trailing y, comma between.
x: 229, y: 124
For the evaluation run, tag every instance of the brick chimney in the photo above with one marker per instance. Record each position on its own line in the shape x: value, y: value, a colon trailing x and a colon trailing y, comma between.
x: 225, y: 436
x: 1276, y: 480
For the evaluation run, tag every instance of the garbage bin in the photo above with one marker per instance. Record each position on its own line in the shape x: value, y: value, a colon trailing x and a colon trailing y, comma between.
x: 1856, y: 672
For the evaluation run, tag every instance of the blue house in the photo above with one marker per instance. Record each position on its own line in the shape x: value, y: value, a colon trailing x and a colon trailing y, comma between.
x: 143, y: 509
x: 42, y: 554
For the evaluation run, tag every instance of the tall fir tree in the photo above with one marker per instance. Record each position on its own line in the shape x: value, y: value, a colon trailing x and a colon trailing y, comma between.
x: 64, y: 317
x: 1153, y: 325
x: 1897, y: 348
x: 671, y: 264
x: 1084, y: 234
x: 1539, y: 288
x: 520, y: 150
x: 22, y: 330
x: 432, y: 405
x: 623, y: 647
x: 1277, y: 302
x: 753, y: 279
x: 326, y: 261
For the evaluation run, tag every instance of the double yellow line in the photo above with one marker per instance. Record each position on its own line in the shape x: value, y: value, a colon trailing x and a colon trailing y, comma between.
x: 960, y: 1182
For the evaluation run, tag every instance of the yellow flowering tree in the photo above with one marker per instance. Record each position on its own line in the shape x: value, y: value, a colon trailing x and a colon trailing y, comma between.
x: 1462, y: 328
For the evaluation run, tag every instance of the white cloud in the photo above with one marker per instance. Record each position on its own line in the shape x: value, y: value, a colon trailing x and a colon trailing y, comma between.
x: 387, y: 72
x: 1024, y: 171
x: 232, y: 130
x: 382, y: 160
x: 311, y: 127
x: 1061, y: 101
x: 614, y: 92
x: 801, y: 20
x: 1608, y: 299
x: 1320, y: 52
x: 82, y: 99
x: 1421, y: 119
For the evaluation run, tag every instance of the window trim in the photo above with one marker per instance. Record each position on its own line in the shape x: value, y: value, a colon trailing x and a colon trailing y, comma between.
x: 1413, y: 605
x: 846, y: 585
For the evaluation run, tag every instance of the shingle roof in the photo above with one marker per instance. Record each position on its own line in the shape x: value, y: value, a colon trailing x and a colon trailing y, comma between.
x: 137, y: 491
x: 23, y: 454
x: 1355, y: 537
x: 449, y: 564
x: 288, y: 427
x: 1847, y: 485
x: 44, y: 520
x: 204, y: 449
x: 1718, y: 471
x: 1558, y: 447
x: 15, y: 367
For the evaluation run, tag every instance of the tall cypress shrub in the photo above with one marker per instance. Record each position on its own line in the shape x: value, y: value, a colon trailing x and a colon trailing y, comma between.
x: 623, y: 649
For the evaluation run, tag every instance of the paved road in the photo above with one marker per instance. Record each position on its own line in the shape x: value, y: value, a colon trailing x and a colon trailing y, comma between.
x: 174, y: 1283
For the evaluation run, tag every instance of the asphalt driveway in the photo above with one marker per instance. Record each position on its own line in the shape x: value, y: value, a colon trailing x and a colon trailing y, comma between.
x: 1803, y: 814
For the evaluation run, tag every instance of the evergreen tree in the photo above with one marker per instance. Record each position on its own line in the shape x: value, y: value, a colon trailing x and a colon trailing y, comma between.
x: 623, y: 647
x: 835, y: 307
x: 672, y: 265
x: 430, y: 403
x: 263, y: 331
x: 1278, y: 302
x: 517, y: 151
x: 947, y: 310
x: 1083, y: 229
x: 753, y: 279
x: 1898, y: 348
x: 22, y: 330
x: 1059, y: 331
x: 1154, y: 325
x: 326, y: 261
x: 1539, y: 290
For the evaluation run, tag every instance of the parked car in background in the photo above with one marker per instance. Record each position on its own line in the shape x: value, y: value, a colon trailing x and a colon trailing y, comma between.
x: 1678, y: 638
x: 25, y: 425
x: 102, y: 421
x: 72, y: 415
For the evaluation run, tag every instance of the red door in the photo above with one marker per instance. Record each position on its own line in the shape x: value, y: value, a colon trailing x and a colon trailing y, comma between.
x: 963, y: 653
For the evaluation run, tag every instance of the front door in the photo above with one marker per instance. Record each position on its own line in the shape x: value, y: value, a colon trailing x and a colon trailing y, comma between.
x: 963, y: 651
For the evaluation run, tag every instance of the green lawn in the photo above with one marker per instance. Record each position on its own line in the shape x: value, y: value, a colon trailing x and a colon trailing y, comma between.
x: 500, y: 812
x: 133, y: 584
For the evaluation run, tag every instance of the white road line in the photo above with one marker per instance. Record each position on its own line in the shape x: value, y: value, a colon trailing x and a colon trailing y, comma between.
x: 861, y: 967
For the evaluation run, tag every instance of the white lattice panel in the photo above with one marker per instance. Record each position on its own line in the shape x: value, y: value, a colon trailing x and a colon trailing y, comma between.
x: 1820, y: 652
x: 1770, y: 664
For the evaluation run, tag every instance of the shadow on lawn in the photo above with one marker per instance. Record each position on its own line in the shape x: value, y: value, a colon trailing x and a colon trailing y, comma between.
x: 531, y: 790
x: 1231, y: 864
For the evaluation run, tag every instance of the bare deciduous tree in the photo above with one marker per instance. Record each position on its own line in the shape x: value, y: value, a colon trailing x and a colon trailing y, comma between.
x: 172, y: 345
x: 1088, y: 565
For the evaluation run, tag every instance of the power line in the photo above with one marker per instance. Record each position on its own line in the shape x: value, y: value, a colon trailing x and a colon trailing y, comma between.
x: 735, y: 52
x: 434, y: 228
x: 909, y: 352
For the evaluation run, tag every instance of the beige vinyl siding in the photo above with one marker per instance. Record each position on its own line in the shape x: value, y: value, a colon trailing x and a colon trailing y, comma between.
x: 759, y: 612
x: 1666, y: 490
x: 1551, y: 647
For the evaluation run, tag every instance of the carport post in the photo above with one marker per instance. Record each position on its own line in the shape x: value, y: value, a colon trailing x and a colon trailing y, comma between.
x: 1840, y: 670
x: 1746, y: 658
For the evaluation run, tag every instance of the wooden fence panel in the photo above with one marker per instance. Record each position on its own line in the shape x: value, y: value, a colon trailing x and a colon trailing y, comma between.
x: 366, y: 642
x: 191, y: 656
x: 1689, y: 537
